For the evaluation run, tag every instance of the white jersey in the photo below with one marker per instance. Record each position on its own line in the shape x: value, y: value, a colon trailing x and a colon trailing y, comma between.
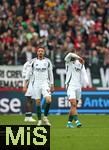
x: 75, y: 72
x: 42, y: 71
x: 25, y: 69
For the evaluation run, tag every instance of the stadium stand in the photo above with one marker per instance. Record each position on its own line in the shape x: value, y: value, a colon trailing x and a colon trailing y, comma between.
x: 60, y: 25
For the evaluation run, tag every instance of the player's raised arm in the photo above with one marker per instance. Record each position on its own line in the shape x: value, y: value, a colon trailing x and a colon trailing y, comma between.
x: 70, y: 55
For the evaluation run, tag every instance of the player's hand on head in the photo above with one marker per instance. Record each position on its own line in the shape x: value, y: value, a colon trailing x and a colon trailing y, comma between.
x: 81, y: 60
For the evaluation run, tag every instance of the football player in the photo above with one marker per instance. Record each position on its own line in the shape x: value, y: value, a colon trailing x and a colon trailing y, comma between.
x: 43, y: 83
x: 75, y: 72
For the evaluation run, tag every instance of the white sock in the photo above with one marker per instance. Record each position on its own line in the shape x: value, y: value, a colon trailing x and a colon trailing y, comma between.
x: 69, y: 121
x: 76, y: 121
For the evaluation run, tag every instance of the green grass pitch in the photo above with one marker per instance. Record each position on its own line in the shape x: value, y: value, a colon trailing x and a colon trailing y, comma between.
x: 94, y: 135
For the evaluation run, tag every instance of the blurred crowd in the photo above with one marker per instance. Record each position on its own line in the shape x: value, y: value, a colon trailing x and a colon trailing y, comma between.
x: 59, y: 25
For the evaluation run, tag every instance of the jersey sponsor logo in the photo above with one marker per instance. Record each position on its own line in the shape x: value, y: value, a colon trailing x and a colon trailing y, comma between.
x: 40, y: 69
x: 77, y: 69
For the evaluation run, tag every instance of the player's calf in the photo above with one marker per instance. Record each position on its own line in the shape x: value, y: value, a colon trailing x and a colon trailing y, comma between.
x: 28, y: 107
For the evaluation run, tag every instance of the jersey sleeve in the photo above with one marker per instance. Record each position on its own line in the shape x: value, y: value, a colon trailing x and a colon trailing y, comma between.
x: 84, y: 76
x: 24, y: 70
x: 29, y: 72
x: 69, y: 56
x: 50, y: 72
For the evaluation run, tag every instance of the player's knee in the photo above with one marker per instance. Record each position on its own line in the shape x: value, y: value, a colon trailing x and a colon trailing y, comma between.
x: 48, y: 99
x: 37, y: 102
x: 73, y: 104
x: 28, y: 102
x: 28, y: 99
